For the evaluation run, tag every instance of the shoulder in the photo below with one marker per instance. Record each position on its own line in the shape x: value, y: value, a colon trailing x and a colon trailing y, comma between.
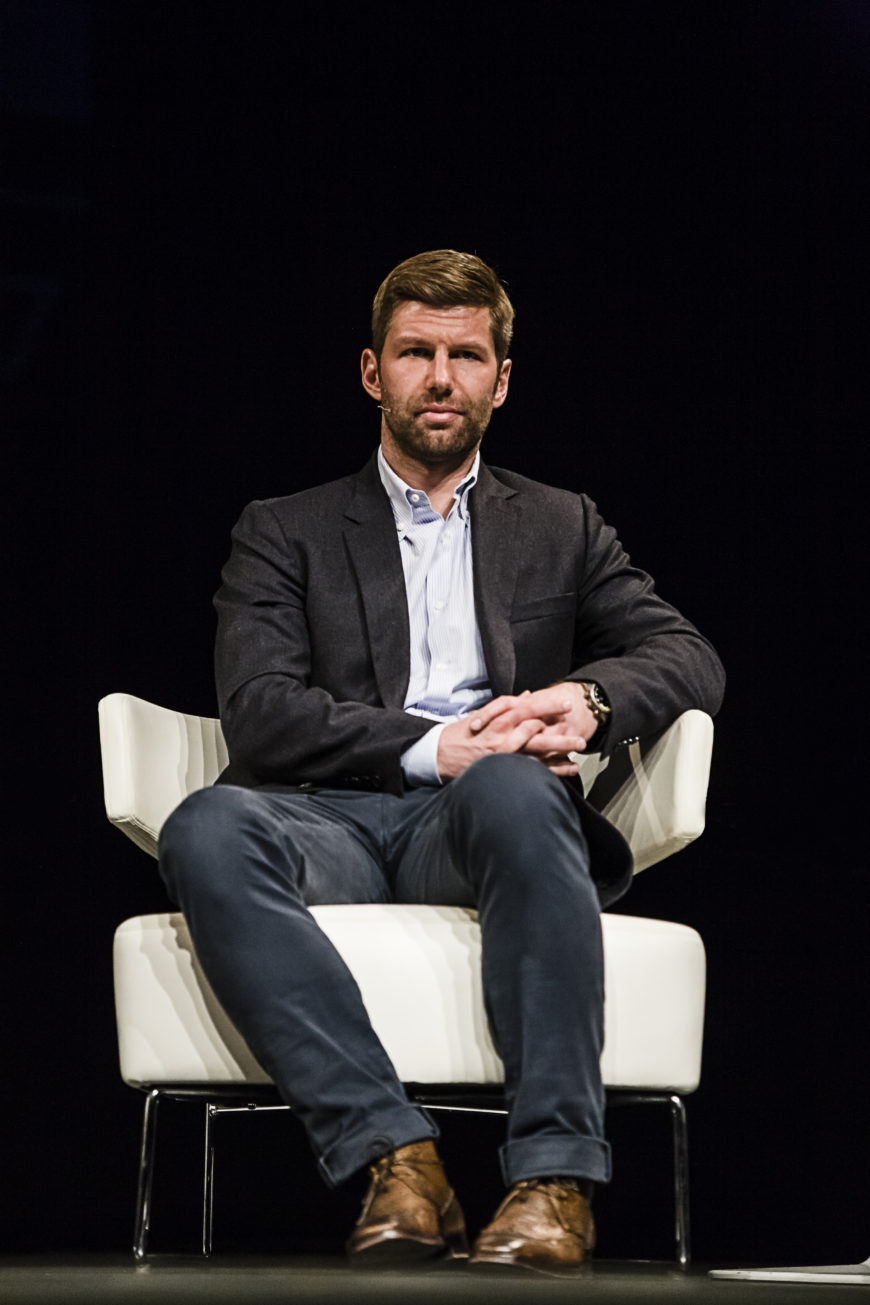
x: 534, y: 494
x: 305, y: 501
x: 319, y: 507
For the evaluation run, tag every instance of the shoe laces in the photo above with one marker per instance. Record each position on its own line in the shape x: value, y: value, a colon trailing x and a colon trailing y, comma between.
x: 390, y: 1166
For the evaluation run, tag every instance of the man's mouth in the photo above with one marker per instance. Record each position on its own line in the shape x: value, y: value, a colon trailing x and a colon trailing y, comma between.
x: 439, y: 410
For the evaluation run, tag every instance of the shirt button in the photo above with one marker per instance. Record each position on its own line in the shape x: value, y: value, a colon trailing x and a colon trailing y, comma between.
x: 441, y: 666
x: 438, y: 605
x: 415, y: 498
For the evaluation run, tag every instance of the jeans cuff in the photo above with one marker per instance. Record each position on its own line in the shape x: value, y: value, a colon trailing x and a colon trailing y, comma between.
x: 380, y: 1135
x: 541, y: 1157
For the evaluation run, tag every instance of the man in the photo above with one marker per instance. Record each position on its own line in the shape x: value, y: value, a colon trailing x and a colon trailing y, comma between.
x: 408, y: 661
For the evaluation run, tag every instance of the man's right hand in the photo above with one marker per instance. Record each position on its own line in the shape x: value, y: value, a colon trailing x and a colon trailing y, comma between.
x: 495, y: 728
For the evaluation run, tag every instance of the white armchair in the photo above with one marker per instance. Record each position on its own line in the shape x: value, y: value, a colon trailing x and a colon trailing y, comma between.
x: 418, y: 967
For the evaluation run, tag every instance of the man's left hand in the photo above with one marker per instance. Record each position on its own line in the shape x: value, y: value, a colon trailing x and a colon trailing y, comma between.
x: 564, y: 703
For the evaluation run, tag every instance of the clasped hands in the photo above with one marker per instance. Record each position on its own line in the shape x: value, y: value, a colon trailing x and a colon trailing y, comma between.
x: 546, y: 724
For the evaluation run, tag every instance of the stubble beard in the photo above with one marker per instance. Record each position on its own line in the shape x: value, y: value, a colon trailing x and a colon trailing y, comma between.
x: 433, y: 447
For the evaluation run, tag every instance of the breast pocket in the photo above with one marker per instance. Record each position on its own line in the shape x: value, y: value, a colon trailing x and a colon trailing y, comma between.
x: 547, y: 607
x: 542, y: 630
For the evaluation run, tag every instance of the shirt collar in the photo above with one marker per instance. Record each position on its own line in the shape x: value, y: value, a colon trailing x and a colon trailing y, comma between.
x: 399, y: 492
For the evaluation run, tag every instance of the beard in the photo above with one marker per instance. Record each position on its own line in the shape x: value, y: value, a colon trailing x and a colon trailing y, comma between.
x: 434, y: 446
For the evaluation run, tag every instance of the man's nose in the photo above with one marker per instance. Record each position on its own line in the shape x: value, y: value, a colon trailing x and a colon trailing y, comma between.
x: 440, y: 371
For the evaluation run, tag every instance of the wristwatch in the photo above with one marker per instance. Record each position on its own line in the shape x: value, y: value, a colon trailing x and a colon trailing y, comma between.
x: 597, y: 702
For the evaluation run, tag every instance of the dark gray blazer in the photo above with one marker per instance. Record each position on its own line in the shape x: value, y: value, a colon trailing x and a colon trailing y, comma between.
x: 312, y: 657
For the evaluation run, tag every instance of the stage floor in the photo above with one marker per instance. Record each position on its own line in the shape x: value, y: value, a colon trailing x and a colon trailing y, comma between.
x: 115, y: 1280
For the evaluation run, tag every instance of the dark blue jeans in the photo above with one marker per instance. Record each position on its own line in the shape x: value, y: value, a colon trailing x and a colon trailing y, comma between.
x: 505, y: 837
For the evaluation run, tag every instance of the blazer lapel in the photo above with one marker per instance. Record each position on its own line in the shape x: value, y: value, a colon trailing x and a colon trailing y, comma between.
x: 496, y: 521
x: 370, y: 532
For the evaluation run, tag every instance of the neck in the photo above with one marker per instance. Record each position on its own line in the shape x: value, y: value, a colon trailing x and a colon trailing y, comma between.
x: 437, y: 482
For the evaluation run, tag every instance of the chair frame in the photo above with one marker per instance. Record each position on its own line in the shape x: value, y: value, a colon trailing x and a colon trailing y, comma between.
x: 247, y: 1099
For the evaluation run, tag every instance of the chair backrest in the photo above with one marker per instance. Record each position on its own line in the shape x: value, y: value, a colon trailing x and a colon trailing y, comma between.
x: 654, y: 791
x: 152, y: 758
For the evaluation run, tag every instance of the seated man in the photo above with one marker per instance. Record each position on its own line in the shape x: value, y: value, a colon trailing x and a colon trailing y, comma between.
x: 407, y: 659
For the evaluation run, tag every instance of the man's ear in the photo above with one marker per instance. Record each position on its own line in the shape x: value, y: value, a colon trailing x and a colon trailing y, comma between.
x: 370, y: 375
x: 501, y: 385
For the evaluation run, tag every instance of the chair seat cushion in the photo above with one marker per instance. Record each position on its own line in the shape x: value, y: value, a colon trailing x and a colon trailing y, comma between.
x: 418, y: 968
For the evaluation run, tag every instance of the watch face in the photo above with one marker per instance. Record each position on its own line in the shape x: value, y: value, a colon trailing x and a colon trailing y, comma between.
x: 598, y: 699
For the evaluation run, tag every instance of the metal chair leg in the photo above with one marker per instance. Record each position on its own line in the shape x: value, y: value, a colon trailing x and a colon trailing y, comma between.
x: 142, y: 1222
x: 208, y: 1181
x: 680, y: 1141
x: 681, y: 1180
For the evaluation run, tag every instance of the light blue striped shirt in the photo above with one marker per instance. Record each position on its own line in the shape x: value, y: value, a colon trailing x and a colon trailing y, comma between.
x: 448, y: 673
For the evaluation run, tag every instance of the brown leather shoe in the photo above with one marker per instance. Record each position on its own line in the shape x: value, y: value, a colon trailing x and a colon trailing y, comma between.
x: 410, y: 1212
x: 543, y: 1224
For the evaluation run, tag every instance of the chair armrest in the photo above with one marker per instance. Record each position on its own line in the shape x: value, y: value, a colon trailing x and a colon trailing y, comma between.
x: 152, y: 758
x: 655, y: 791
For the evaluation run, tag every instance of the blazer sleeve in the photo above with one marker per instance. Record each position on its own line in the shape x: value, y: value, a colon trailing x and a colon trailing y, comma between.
x: 281, y: 728
x: 652, y: 663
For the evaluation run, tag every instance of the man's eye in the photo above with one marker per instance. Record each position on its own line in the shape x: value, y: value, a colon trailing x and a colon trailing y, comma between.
x: 468, y: 353
x: 414, y: 352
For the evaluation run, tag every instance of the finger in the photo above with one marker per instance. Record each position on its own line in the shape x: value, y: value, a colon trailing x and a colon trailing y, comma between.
x: 530, y: 707
x: 523, y: 734
x: 561, y: 768
x: 490, y: 711
x: 551, y: 707
x: 550, y: 741
x: 554, y: 700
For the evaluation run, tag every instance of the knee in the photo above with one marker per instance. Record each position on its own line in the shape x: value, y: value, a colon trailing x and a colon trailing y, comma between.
x: 515, y: 788
x: 197, y: 836
x: 511, y: 812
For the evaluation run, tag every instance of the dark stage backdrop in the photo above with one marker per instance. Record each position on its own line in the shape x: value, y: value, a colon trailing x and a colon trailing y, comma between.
x: 201, y: 200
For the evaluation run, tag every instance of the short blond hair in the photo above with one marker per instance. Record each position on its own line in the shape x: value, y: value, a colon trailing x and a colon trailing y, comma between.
x: 445, y: 278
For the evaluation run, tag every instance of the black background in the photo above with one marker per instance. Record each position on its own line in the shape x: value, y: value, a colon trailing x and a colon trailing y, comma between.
x: 199, y: 202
